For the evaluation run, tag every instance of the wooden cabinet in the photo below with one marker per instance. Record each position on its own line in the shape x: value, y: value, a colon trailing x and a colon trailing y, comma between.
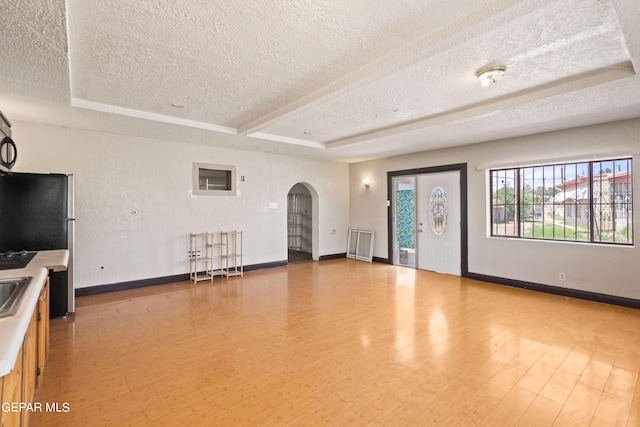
x: 19, y: 385
x: 29, y: 368
x: 11, y: 386
x: 43, y: 330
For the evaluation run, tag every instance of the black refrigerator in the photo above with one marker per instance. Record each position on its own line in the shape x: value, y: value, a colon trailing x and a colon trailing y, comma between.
x: 37, y: 213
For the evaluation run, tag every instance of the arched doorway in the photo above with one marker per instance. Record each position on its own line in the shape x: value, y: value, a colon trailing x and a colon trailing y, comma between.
x: 302, y: 220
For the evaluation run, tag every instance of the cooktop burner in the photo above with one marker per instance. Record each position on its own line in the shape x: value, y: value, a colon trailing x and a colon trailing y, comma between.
x: 11, y: 254
x: 15, y: 259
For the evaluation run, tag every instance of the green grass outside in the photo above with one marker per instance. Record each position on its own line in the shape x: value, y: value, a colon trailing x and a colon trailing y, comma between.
x: 535, y: 230
x: 620, y: 236
x: 553, y: 232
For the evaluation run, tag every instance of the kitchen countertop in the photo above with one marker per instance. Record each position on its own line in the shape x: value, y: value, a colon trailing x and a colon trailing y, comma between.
x: 14, y: 328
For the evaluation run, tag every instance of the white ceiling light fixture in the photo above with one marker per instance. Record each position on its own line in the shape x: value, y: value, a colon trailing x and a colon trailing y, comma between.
x: 490, y: 74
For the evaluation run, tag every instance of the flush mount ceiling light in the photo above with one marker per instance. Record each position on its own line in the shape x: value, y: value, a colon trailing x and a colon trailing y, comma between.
x: 491, y: 74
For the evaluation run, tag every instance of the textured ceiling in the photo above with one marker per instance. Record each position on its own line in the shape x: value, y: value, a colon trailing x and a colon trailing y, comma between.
x: 328, y: 79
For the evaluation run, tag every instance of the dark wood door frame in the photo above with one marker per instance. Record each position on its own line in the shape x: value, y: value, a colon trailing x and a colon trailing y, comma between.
x: 464, y: 246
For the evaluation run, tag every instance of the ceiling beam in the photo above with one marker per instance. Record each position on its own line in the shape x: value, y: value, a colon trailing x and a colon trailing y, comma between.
x: 139, y: 114
x: 286, y: 140
x: 432, y: 43
x: 628, y: 13
x: 560, y: 87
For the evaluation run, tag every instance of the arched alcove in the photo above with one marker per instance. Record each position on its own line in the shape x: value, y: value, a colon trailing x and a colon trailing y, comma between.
x: 302, y: 223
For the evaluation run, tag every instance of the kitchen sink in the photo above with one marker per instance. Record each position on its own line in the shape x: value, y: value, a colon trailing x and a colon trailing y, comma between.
x: 11, y: 292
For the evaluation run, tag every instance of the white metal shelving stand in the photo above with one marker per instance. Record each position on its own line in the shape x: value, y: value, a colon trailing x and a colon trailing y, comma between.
x: 295, y: 218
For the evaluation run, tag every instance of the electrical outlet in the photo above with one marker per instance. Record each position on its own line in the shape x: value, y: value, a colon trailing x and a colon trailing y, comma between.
x: 562, y: 277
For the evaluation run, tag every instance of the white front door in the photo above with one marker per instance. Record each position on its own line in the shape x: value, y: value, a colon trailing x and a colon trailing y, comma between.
x: 438, y: 209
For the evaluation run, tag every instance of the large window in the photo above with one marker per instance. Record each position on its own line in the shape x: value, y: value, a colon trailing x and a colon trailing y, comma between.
x: 582, y: 202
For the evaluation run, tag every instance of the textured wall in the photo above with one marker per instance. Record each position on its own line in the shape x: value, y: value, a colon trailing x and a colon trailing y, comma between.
x: 594, y: 268
x: 117, y: 176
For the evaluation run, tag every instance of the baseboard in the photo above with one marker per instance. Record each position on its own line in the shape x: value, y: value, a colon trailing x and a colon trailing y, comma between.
x: 556, y: 290
x: 134, y: 284
x: 344, y: 255
x: 123, y: 286
x: 332, y: 256
x: 590, y: 296
x: 264, y: 265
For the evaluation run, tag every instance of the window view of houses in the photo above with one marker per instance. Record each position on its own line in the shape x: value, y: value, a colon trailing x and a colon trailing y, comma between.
x: 585, y: 202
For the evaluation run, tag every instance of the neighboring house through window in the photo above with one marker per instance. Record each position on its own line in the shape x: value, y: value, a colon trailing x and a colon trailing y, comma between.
x: 582, y: 202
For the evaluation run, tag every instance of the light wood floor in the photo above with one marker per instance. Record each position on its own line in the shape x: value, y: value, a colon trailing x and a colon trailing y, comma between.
x: 343, y: 342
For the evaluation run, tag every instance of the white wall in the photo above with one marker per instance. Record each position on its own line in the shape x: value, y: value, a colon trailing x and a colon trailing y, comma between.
x: 594, y: 268
x: 117, y: 175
